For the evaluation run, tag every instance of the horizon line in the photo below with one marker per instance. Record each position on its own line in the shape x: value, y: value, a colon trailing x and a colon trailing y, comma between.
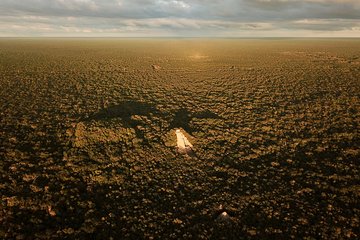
x: 187, y: 37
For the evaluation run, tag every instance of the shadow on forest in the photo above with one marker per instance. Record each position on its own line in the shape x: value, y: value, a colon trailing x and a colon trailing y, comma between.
x: 206, y: 114
x: 183, y: 117
x: 182, y: 120
x: 125, y: 110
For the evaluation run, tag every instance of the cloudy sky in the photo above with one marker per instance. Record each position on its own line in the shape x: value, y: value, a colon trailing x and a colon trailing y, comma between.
x: 180, y: 18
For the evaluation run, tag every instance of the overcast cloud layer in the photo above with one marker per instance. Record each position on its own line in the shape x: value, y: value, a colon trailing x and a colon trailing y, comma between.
x: 180, y: 18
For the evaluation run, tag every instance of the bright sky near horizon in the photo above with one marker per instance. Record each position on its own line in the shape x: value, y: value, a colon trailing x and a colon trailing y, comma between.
x: 180, y: 18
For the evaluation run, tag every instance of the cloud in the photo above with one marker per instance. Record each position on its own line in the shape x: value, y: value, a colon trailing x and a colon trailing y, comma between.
x: 323, y: 24
x: 179, y: 17
x: 77, y: 4
x: 296, y: 9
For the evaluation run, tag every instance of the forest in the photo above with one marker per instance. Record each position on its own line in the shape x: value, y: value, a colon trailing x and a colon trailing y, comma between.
x: 88, y: 145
